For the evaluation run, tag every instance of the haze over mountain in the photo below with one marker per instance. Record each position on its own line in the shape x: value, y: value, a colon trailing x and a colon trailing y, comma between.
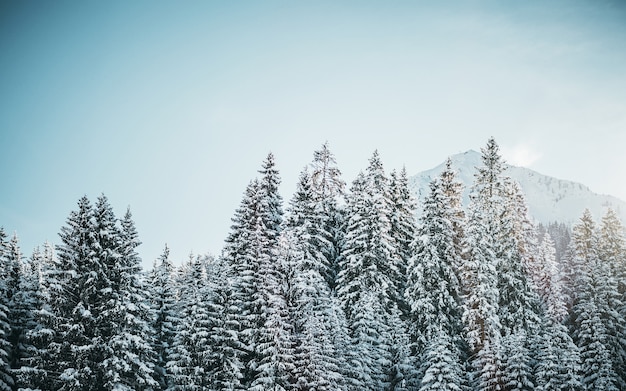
x: 549, y: 199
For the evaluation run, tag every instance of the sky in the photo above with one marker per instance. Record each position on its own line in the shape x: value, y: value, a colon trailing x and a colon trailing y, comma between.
x: 171, y: 107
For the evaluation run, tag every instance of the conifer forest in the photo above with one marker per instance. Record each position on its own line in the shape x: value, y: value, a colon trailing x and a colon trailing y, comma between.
x: 340, y: 287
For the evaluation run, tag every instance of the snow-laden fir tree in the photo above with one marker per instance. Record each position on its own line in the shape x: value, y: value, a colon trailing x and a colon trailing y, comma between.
x: 25, y: 303
x: 129, y: 356
x: 33, y: 373
x: 319, y: 335
x: 368, y: 281
x: 17, y: 314
x: 403, y: 227
x: 519, y: 303
x: 98, y: 326
x: 548, y: 280
x: 327, y: 187
x: 258, y: 291
x: 558, y: 359
x: 612, y: 251
x: 481, y: 315
x: 165, y: 315
x: 433, y: 289
x: 593, y: 316
x: 500, y: 245
x: 6, y: 377
x: 75, y: 290
x: 441, y: 365
x: 190, y: 357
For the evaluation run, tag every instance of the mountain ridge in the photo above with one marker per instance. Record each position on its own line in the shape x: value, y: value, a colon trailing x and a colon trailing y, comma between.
x: 549, y: 199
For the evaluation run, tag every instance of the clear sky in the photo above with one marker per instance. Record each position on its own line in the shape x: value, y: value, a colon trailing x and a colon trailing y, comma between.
x: 170, y: 107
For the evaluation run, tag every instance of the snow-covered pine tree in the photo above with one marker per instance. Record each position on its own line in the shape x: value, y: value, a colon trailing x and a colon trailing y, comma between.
x: 274, y: 361
x: 164, y: 315
x: 226, y: 368
x: 327, y: 188
x: 402, y: 230
x: 592, y: 312
x: 558, y: 359
x: 452, y: 189
x: 319, y: 362
x: 612, y: 251
x: 520, y: 308
x: 129, y: 357
x: 433, y: 290
x: 190, y: 359
x: 519, y: 374
x: 548, y: 280
x: 24, y: 304
x: 77, y: 283
x: 481, y: 315
x: 368, y: 273
x: 32, y: 374
x: 441, y: 365
x: 506, y: 238
x: 519, y: 303
x: 251, y: 252
x: 17, y: 315
x: 6, y: 377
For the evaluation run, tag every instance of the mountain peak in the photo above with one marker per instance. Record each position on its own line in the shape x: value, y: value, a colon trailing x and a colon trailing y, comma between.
x: 549, y: 199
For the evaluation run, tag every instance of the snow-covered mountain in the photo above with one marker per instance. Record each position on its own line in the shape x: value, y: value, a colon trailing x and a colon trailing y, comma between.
x: 549, y: 199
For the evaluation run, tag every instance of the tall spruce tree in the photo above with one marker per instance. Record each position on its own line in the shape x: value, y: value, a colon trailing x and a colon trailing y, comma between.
x: 252, y: 253
x: 129, y: 356
x: 481, y: 314
x: 403, y: 228
x: 191, y: 354
x: 592, y: 314
x: 433, y: 290
x: 6, y: 377
x: 164, y: 315
x: 368, y: 281
x: 319, y: 361
x: 612, y: 251
x: 327, y: 187
x: 33, y: 374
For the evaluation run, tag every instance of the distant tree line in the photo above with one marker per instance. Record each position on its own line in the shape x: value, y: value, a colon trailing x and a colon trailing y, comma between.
x: 344, y: 290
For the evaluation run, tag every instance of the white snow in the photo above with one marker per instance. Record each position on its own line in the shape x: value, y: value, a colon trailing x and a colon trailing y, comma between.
x: 549, y: 199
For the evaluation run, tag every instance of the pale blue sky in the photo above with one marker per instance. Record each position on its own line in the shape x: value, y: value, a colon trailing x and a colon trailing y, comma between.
x: 170, y: 107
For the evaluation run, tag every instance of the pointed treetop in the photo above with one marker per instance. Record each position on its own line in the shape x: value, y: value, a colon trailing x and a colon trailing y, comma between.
x: 491, y: 158
x: 325, y: 175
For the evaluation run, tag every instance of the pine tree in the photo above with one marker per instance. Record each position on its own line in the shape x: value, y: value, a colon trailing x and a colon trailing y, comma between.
x: 519, y: 373
x: 481, y: 315
x: 25, y: 303
x: 558, y: 359
x: 227, y: 350
x: 252, y: 253
x: 592, y: 312
x: 6, y: 377
x: 76, y: 289
x: 548, y: 280
x: 327, y: 188
x: 612, y: 251
x: 33, y: 373
x: 129, y: 362
x: 18, y: 312
x: 319, y: 362
x: 165, y: 315
x: 433, y: 290
x: 189, y: 363
x: 402, y: 230
x: 441, y: 365
x: 368, y: 280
